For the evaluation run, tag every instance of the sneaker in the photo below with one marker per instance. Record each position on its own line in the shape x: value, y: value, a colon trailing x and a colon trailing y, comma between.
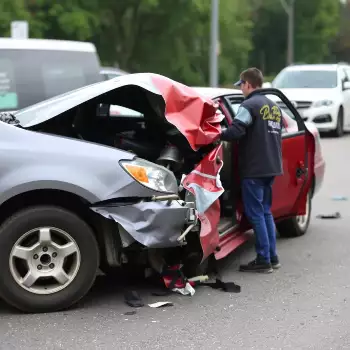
x: 275, y: 263
x: 257, y: 266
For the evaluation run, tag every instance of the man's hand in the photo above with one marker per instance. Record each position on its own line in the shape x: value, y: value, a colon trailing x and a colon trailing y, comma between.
x: 208, y: 148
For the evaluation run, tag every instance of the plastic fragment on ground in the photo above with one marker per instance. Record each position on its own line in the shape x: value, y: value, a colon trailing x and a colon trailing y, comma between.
x: 335, y: 215
x: 187, y: 290
x: 161, y: 304
x: 339, y: 198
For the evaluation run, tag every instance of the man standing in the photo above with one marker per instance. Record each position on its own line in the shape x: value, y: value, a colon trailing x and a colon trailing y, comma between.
x: 258, y: 126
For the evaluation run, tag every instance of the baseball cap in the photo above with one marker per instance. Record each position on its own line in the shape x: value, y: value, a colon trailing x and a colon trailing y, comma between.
x: 239, y: 82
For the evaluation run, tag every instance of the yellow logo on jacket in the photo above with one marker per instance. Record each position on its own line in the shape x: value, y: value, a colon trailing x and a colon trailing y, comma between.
x: 273, y: 116
x: 268, y: 113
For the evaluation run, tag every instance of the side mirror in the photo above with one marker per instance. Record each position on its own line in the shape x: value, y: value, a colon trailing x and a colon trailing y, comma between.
x: 267, y: 85
x: 346, y: 85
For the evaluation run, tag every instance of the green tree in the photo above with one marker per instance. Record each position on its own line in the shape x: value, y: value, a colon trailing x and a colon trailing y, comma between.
x: 11, y: 10
x: 235, y: 37
x: 269, y: 36
x: 170, y: 37
x: 341, y: 45
x: 152, y: 35
x: 316, y: 25
x: 70, y: 20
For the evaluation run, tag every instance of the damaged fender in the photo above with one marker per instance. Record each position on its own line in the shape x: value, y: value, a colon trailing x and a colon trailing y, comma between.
x: 205, y: 185
x: 153, y: 224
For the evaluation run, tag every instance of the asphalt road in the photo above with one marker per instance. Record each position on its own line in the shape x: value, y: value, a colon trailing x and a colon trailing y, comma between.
x: 305, y: 305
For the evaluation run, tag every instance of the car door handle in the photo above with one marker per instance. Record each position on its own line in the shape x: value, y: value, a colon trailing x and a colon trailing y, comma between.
x: 299, y: 172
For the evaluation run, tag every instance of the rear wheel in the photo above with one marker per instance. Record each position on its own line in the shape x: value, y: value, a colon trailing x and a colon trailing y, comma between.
x: 298, y: 225
x: 48, y: 259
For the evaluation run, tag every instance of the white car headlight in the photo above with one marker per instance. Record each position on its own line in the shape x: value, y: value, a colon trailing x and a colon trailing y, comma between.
x: 322, y: 103
x: 151, y: 175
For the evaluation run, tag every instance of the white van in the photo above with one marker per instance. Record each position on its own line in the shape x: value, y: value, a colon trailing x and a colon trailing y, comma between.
x: 32, y: 70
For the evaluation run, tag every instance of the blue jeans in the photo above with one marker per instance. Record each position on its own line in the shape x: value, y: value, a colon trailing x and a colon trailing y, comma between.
x: 257, y: 200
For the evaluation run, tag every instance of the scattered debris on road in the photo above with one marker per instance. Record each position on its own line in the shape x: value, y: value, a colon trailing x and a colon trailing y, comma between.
x: 187, y: 290
x: 229, y: 287
x: 175, y: 280
x: 130, y: 313
x: 339, y: 198
x: 171, y: 279
x: 161, y: 304
x: 335, y: 215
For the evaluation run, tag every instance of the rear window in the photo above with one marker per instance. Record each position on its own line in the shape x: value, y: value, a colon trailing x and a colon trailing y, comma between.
x: 31, y: 76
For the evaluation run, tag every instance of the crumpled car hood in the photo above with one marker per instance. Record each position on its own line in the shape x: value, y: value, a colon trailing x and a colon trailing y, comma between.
x: 195, y: 116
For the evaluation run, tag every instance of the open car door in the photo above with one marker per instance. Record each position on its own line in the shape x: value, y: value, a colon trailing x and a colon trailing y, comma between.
x: 291, y: 189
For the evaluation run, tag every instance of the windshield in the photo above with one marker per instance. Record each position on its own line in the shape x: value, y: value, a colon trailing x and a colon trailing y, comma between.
x: 293, y: 79
x: 31, y: 76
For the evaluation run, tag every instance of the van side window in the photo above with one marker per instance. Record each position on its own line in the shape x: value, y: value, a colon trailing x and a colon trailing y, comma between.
x: 8, y: 95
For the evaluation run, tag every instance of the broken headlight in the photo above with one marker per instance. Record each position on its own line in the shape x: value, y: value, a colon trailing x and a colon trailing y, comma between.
x: 151, y: 175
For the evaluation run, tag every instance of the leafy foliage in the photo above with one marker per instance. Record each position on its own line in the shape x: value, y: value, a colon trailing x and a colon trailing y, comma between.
x: 316, y: 25
x: 172, y: 37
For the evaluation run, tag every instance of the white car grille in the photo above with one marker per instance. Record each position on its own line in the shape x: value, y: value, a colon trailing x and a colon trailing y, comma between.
x: 298, y: 104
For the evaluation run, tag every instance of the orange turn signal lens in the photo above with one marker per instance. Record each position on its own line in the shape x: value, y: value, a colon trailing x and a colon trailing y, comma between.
x: 137, y: 172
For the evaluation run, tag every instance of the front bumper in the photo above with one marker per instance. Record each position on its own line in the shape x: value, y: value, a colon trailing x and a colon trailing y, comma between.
x: 324, y: 118
x: 154, y: 224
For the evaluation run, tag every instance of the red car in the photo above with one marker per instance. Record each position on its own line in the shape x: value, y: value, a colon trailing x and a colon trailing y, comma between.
x: 304, y: 168
x: 303, y: 164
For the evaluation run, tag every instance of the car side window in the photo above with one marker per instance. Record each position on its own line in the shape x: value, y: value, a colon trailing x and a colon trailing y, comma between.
x: 120, y: 112
x: 224, y: 123
x: 235, y: 107
x: 236, y: 102
x: 289, y: 124
x: 222, y: 108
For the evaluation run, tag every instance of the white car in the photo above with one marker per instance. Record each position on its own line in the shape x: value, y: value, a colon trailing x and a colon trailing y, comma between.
x: 320, y: 93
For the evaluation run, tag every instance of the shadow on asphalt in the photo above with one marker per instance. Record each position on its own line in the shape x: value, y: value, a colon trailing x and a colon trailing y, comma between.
x: 109, y: 290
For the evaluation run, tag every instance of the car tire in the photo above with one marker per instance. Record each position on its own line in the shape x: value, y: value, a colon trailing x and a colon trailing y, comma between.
x: 296, y: 226
x: 52, y: 247
x: 339, y: 130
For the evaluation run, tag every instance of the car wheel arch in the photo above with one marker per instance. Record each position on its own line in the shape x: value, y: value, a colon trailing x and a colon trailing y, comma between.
x: 341, y: 109
x: 64, y: 199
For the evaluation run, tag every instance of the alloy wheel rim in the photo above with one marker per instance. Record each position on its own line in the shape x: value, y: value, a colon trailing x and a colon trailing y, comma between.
x: 45, y: 260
